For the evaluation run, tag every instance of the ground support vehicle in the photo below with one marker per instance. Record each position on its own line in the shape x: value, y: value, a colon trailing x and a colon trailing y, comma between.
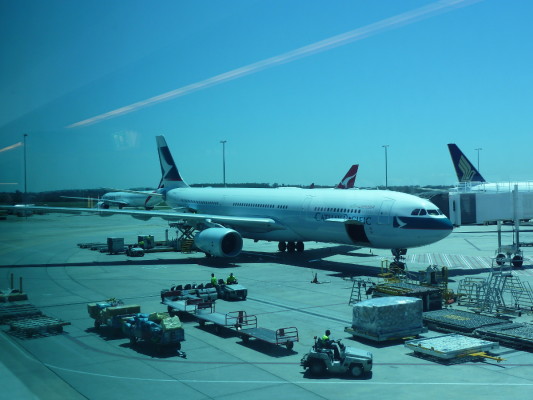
x: 231, y: 291
x: 134, y: 251
x: 242, y: 324
x: 111, y: 313
x: 248, y: 328
x: 336, y: 358
x: 190, y: 291
x: 160, y: 329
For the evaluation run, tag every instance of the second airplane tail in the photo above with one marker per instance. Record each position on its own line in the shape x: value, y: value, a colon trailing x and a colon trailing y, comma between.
x: 465, y: 170
x: 170, y: 176
x: 348, y: 182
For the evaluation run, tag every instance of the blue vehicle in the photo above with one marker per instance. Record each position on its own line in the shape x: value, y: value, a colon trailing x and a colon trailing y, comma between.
x: 160, y: 329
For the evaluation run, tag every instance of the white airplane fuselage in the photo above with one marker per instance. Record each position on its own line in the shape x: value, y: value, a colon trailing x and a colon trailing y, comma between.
x: 141, y: 199
x: 368, y: 218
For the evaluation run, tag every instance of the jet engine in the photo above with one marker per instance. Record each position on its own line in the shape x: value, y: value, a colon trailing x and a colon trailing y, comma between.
x: 103, y: 205
x: 142, y: 217
x: 219, y: 242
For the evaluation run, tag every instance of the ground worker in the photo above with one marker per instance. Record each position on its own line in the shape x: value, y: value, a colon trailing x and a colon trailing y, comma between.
x: 213, y: 279
x: 327, y: 343
x: 231, y: 279
x: 325, y: 339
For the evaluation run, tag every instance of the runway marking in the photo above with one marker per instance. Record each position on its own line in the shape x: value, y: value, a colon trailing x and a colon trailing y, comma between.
x: 461, y: 261
x: 233, y: 382
x: 466, y: 263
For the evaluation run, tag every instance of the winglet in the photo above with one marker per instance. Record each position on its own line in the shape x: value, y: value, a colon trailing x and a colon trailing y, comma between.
x: 465, y: 170
x: 170, y: 176
x: 348, y: 182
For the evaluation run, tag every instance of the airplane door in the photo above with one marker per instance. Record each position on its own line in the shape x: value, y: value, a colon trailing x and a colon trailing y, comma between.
x: 306, y: 207
x: 384, y: 212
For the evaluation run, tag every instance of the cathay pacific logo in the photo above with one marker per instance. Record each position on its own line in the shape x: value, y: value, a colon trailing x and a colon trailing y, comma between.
x: 466, y: 170
x: 398, y: 223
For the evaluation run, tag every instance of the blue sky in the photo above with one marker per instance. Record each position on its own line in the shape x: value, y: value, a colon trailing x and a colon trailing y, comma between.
x: 462, y: 75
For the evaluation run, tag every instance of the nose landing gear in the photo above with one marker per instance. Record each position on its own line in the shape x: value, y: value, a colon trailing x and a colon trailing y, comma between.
x: 399, y: 256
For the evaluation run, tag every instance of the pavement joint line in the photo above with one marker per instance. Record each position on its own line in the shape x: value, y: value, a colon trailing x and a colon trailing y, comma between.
x: 300, y: 310
x: 284, y: 382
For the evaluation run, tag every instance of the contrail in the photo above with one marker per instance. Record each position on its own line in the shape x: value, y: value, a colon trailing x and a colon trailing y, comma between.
x: 13, y: 146
x: 323, y: 45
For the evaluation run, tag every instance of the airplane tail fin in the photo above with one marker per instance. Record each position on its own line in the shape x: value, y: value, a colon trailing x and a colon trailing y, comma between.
x: 348, y: 182
x: 465, y: 170
x: 170, y: 176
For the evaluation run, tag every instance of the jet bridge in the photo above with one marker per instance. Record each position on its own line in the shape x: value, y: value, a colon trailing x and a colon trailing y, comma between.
x: 473, y: 205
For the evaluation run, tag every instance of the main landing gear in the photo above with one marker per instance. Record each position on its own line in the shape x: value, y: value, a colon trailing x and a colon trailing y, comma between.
x: 398, y: 255
x: 291, y: 246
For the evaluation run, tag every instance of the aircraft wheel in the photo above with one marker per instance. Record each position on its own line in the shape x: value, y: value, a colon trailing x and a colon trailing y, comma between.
x: 356, y: 370
x: 317, y: 367
x: 291, y: 247
x: 517, y: 261
x: 300, y: 246
x: 282, y: 246
x: 500, y: 259
x: 397, y: 265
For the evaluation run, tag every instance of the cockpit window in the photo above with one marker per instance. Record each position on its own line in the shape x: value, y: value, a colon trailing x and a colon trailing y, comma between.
x: 422, y: 212
x: 415, y: 212
x: 433, y: 212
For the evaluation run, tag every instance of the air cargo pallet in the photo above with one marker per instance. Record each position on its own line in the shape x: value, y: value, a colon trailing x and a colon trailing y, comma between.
x: 453, y: 346
x: 16, y: 311
x: 384, y: 336
x: 458, y: 321
x: 13, y: 295
x: 516, y: 335
x: 37, y: 325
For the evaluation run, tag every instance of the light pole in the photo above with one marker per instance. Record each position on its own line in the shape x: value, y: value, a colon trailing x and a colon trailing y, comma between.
x: 25, y: 181
x: 385, y: 146
x: 224, y: 160
x: 478, y: 149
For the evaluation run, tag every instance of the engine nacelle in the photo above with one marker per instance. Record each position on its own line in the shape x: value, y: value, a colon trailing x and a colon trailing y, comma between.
x: 141, y: 217
x: 219, y: 242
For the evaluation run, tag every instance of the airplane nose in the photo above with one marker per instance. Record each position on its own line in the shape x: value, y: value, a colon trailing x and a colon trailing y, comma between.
x: 443, y: 225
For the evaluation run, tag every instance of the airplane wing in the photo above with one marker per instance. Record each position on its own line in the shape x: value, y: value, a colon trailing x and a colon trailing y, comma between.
x: 255, y: 224
x: 144, y: 193
x: 117, y: 202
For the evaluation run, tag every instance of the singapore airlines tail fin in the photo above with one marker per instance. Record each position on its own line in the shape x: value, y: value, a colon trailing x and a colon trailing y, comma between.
x: 348, y: 182
x: 465, y: 170
x: 170, y: 176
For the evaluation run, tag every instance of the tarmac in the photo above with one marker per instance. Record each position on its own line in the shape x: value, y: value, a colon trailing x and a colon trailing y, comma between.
x: 60, y: 278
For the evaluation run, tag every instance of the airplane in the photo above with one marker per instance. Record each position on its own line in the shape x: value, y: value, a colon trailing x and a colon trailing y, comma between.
x: 348, y: 182
x: 147, y: 199
x: 222, y: 217
x: 465, y: 170
x: 470, y: 178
